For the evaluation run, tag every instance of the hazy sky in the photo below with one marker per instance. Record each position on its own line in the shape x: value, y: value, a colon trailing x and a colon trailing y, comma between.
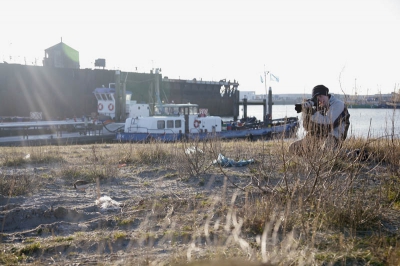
x: 342, y: 44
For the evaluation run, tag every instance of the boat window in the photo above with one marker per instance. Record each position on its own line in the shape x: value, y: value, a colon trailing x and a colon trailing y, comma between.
x: 98, y: 97
x: 109, y: 97
x: 183, y: 110
x: 160, y: 110
x: 170, y: 123
x: 103, y: 96
x: 178, y: 123
x: 160, y: 124
x: 193, y: 110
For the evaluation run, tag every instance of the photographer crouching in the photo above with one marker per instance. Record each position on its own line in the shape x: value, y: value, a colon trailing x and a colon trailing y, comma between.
x: 326, y: 121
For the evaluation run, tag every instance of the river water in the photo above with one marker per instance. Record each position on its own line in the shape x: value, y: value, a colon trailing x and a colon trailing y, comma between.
x: 363, y: 122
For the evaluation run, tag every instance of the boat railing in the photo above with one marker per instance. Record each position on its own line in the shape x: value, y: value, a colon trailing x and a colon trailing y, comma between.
x: 283, y: 121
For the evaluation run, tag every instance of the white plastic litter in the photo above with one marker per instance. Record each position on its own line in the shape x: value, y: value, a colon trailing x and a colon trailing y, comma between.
x: 106, y: 203
x: 193, y: 150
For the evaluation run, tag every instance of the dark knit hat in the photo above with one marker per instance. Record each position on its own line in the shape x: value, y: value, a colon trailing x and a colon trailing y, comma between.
x: 319, y: 90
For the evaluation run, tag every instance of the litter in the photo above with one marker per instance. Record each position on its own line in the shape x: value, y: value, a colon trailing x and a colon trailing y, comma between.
x: 193, y: 150
x: 106, y: 203
x: 227, y: 162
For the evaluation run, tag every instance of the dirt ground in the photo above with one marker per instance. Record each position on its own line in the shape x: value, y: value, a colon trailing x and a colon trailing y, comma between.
x: 141, y: 215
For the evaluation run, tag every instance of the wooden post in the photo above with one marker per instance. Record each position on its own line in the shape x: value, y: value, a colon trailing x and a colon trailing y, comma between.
x: 270, y: 102
x: 236, y: 105
x: 265, y: 120
x: 245, y: 108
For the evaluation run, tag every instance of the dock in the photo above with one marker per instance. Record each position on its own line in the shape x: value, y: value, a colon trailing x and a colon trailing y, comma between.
x: 267, y: 106
x: 52, y: 139
x: 38, y: 133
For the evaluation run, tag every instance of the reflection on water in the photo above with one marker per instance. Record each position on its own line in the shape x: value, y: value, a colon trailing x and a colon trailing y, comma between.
x: 363, y: 122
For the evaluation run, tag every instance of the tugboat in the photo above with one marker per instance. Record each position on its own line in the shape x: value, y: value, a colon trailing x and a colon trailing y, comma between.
x: 174, y: 122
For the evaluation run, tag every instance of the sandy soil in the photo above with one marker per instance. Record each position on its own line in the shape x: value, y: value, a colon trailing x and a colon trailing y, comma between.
x: 139, y: 215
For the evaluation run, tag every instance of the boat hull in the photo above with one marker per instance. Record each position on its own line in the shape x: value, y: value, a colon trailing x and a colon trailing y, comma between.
x: 285, y: 130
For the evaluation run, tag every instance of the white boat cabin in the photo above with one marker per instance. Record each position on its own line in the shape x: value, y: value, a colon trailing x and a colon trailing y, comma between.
x: 106, y: 103
x: 174, y: 119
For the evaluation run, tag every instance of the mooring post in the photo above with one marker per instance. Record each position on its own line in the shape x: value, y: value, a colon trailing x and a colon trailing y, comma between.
x: 236, y: 103
x: 270, y: 103
x: 244, y: 107
x: 265, y: 115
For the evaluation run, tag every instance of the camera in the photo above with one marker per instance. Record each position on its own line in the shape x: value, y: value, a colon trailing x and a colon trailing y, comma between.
x: 309, y: 103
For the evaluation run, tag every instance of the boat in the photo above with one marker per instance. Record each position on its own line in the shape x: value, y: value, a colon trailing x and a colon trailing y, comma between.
x: 169, y: 122
x: 186, y: 122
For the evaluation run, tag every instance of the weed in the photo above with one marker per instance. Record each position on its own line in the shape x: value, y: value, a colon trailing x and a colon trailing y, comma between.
x: 123, y: 222
x: 17, y: 184
x: 63, y: 239
x: 119, y: 235
x: 9, y: 258
x: 29, y: 249
x: 170, y: 176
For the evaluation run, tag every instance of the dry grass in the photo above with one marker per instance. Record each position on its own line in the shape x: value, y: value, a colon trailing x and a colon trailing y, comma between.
x: 324, y: 208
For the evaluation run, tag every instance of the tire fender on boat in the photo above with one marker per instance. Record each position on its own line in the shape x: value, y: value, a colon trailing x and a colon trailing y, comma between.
x: 110, y: 107
x: 100, y: 106
x: 196, y: 123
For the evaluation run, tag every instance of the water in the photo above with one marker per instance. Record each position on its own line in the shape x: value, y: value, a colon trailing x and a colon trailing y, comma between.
x: 363, y: 122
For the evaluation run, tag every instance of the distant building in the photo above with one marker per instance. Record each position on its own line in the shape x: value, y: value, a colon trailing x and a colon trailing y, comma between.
x: 249, y: 95
x: 61, y: 56
x: 276, y: 98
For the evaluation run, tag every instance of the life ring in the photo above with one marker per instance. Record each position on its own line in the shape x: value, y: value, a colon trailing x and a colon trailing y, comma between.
x: 196, y: 123
x: 100, y: 106
x: 110, y: 107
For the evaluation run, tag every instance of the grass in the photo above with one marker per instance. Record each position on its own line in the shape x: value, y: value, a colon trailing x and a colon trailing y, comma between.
x: 325, y: 208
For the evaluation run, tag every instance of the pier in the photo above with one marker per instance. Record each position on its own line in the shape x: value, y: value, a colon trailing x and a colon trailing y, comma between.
x: 267, y: 116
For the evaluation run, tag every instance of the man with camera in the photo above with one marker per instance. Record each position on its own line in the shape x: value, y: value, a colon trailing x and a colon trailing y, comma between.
x: 325, y: 120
